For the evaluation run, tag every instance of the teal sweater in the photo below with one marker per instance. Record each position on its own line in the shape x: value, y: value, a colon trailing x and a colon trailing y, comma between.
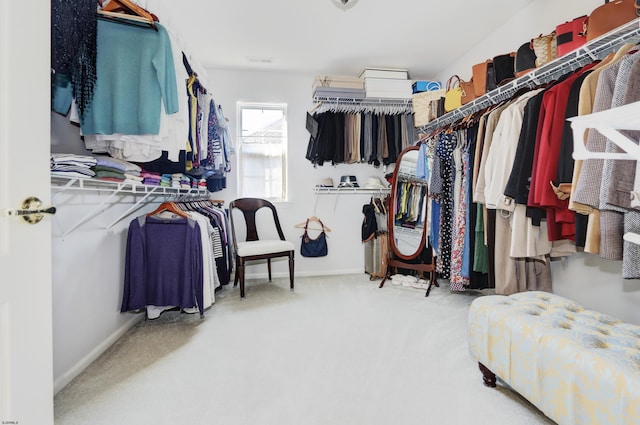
x: 135, y: 78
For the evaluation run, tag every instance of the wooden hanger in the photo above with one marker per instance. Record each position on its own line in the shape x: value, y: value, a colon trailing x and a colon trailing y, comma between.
x: 313, y: 219
x: 126, y: 9
x: 170, y: 207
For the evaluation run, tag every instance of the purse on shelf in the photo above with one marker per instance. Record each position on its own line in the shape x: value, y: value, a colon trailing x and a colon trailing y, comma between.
x: 504, y: 66
x: 313, y: 247
x: 436, y: 108
x: 422, y: 106
x: 570, y: 35
x: 479, y: 73
x: 546, y: 48
x: 609, y: 16
x: 525, y: 60
x: 468, y: 91
x: 453, y: 95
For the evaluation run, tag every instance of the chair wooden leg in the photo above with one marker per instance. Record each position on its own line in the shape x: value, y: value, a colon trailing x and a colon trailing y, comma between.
x: 240, y: 272
x: 291, y: 271
x: 235, y: 279
x: 269, y: 267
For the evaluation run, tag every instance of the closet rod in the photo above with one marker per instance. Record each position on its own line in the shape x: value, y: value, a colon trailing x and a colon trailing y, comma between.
x: 117, y: 188
x: 598, y: 48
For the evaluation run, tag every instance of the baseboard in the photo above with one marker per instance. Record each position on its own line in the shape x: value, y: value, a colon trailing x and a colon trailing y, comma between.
x: 64, y: 380
x: 311, y: 273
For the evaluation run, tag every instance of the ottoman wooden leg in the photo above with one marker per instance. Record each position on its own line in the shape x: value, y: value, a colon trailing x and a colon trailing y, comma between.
x: 488, y: 377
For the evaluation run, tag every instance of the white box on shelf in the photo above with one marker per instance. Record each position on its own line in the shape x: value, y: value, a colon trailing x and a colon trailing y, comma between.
x: 381, y: 94
x: 388, y: 88
x: 388, y: 73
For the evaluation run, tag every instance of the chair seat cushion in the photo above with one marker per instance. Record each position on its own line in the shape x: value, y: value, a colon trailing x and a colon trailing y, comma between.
x: 263, y: 247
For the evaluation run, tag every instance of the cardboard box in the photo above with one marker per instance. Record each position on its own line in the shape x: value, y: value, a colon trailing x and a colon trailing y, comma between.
x: 338, y: 81
x: 338, y: 92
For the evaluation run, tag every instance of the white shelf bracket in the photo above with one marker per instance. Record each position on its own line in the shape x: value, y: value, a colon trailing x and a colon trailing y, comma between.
x: 609, y: 123
x: 91, y: 214
x: 132, y: 208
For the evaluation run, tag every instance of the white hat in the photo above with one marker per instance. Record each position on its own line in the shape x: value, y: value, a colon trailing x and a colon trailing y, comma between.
x: 325, y: 182
x: 374, y: 183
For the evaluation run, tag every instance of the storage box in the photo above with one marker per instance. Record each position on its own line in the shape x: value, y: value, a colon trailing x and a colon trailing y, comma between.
x: 395, y: 74
x: 420, y: 86
x: 387, y: 88
x: 338, y: 92
x: 378, y: 94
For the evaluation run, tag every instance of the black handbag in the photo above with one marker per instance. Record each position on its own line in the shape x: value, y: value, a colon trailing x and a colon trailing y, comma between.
x: 313, y: 247
x: 504, y: 66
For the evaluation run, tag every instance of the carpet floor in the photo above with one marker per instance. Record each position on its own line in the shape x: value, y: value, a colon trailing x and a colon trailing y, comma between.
x: 337, y: 350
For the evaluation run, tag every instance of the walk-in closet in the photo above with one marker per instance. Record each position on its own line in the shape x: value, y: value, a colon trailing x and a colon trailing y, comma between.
x: 127, y: 128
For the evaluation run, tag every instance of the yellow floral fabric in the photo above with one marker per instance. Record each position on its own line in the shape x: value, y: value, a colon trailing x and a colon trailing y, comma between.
x: 576, y: 365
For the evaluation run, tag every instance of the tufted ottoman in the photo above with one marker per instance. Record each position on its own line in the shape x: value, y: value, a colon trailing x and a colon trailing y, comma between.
x: 577, y: 366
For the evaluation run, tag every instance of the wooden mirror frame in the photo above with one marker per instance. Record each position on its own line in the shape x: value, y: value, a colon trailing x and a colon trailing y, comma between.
x: 392, y: 211
x: 396, y: 259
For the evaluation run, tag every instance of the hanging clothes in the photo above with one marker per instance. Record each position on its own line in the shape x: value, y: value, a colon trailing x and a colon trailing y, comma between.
x: 163, y: 264
x: 360, y: 137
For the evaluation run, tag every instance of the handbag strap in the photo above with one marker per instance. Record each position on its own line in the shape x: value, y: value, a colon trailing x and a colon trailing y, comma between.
x: 452, y: 80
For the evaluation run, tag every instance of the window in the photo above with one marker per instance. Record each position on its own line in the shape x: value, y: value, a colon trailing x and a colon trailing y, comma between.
x: 262, y: 150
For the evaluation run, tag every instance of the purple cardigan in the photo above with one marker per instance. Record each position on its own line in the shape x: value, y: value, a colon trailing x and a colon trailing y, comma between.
x: 163, y: 264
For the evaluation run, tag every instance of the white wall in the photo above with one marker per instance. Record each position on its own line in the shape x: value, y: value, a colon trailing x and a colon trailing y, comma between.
x: 88, y: 263
x: 88, y: 267
x: 585, y: 278
x: 539, y: 17
x: 340, y: 213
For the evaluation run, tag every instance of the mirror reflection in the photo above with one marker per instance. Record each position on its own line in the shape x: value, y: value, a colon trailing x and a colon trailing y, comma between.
x: 409, y: 205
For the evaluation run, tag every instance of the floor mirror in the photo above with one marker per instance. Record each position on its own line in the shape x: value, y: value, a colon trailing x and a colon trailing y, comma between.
x: 407, y: 219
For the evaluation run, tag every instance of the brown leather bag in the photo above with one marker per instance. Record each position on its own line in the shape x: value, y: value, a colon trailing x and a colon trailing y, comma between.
x: 609, y: 16
x: 479, y: 72
x: 468, y: 91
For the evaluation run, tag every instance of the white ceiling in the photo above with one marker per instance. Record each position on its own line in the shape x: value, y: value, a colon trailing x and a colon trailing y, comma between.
x: 317, y: 37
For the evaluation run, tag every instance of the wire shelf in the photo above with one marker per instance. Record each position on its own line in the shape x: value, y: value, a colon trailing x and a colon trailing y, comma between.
x: 148, y: 193
x: 387, y: 106
x: 594, y: 50
x: 350, y: 190
x: 63, y: 183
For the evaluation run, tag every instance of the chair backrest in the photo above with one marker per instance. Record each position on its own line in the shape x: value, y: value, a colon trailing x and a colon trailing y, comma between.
x: 249, y: 207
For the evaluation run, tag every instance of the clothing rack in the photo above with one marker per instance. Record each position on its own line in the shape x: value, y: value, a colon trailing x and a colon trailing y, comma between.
x: 594, y: 50
x: 411, y: 178
x: 147, y: 193
x: 378, y: 106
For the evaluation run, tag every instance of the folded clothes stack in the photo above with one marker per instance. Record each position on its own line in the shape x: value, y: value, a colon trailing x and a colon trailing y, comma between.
x: 71, y: 165
x: 152, y: 179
